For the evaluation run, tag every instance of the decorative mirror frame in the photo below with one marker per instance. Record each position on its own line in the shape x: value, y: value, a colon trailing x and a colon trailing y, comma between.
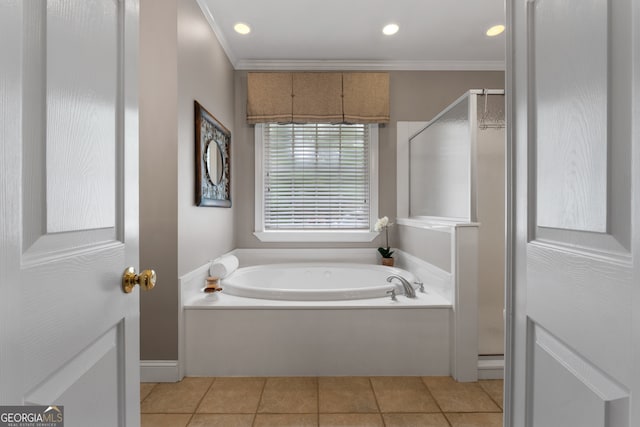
x: 208, y: 130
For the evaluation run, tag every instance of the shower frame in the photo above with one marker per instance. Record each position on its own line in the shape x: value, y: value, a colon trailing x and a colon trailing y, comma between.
x: 471, y: 216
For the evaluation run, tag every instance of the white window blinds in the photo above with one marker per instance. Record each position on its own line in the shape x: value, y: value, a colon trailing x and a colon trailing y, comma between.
x: 316, y: 177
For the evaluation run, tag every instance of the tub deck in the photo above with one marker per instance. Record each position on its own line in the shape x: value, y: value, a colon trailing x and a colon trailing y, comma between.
x: 197, y: 300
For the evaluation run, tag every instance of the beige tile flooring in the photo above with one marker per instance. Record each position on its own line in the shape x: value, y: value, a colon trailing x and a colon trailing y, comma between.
x: 322, y: 401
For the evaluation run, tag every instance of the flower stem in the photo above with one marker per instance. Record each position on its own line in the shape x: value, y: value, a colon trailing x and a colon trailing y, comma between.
x: 386, y: 230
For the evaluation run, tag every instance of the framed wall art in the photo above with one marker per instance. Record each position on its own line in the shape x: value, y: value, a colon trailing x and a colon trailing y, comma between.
x: 213, y: 160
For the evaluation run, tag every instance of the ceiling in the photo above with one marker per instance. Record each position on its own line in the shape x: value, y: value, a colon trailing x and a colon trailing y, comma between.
x: 347, y: 34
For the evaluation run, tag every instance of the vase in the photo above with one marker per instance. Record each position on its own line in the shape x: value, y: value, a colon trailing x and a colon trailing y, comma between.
x: 388, y: 262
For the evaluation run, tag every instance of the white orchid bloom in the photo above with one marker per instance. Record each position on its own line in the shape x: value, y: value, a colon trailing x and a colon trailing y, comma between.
x: 381, y: 223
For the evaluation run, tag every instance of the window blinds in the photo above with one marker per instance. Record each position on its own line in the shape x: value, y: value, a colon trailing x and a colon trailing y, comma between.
x: 316, y: 176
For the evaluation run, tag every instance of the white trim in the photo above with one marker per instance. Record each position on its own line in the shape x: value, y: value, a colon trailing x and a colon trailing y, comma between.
x: 336, y: 236
x: 510, y: 220
x: 435, y: 223
x: 159, y: 371
x: 405, y: 131
x: 374, y: 170
x: 258, y: 205
x: 464, y: 333
x: 181, y: 345
x: 491, y: 368
x: 218, y: 32
x: 383, y: 65
x: 473, y: 155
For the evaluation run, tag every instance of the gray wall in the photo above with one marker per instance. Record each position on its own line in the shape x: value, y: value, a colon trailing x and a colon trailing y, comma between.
x: 159, y: 177
x: 415, y: 95
x: 206, y: 75
x: 180, y: 60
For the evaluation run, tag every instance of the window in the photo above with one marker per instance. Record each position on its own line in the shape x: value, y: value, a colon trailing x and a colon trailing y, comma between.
x: 316, y: 182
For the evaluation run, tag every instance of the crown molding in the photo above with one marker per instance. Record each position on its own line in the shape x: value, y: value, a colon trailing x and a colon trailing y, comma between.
x: 373, y: 65
x: 218, y: 32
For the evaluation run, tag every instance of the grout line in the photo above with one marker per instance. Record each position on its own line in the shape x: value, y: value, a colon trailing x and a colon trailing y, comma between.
x: 213, y: 381
x: 255, y: 414
x: 424, y: 383
x: 447, y: 419
x: 148, y: 394
x: 318, y: 400
x: 384, y: 422
x: 375, y: 397
x: 491, y: 397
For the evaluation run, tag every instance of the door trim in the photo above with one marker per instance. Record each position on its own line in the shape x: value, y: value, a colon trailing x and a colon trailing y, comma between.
x: 509, y: 331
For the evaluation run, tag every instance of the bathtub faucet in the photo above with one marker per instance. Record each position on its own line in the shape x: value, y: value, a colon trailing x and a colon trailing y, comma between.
x: 409, y: 292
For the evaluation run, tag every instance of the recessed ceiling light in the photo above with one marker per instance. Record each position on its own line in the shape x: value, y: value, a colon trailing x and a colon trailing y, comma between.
x: 390, y: 29
x: 495, y: 30
x: 242, y: 28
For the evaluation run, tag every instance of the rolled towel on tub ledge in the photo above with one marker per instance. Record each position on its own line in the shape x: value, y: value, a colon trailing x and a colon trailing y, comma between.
x: 223, y: 266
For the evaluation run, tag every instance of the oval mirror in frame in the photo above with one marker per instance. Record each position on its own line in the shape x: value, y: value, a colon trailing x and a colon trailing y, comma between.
x: 213, y: 162
x: 213, y: 173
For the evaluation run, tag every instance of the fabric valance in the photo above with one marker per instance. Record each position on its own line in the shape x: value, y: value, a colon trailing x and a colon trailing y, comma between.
x: 270, y: 97
x: 366, y: 97
x: 310, y: 97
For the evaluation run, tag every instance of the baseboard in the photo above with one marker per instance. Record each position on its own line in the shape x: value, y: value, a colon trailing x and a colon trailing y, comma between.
x: 491, y: 368
x: 167, y: 371
x: 159, y: 371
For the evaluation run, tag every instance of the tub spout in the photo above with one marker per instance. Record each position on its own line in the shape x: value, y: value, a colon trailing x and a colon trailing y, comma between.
x: 409, y: 292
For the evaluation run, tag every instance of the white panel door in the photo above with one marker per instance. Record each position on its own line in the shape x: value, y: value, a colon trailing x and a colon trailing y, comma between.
x: 575, y: 155
x: 69, y: 335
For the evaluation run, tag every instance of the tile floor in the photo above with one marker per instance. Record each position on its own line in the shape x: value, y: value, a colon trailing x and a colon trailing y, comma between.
x: 322, y: 401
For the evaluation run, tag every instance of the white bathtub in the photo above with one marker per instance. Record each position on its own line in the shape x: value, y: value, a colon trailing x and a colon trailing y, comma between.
x: 335, y: 319
x: 314, y: 281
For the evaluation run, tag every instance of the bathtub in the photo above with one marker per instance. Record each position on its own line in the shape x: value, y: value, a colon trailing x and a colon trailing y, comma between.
x: 314, y: 281
x: 334, y: 318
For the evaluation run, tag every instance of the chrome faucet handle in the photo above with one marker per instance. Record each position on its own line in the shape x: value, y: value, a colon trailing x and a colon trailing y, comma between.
x: 409, y: 292
x: 421, y: 286
x: 393, y: 294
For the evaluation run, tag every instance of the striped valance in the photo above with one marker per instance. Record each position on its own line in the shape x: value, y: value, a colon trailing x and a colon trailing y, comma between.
x: 317, y: 97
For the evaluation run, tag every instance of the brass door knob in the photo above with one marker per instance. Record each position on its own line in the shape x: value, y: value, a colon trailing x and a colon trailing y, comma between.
x: 146, y: 280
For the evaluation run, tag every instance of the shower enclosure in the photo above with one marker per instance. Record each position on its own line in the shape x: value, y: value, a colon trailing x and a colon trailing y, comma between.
x: 458, y: 156
x: 457, y: 174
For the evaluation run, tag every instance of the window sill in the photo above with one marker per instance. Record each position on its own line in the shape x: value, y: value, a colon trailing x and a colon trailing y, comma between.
x: 316, y: 236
